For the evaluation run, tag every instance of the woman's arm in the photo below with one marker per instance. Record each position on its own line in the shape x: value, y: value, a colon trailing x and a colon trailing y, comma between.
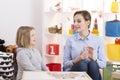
x: 101, y: 59
x: 68, y: 62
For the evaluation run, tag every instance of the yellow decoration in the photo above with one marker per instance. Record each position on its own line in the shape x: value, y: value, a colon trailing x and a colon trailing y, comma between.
x: 70, y: 32
x: 113, y: 52
x: 95, y: 31
x: 114, y: 7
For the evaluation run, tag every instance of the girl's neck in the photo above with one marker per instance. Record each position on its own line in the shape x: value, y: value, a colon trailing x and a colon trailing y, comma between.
x: 84, y: 34
x: 31, y: 46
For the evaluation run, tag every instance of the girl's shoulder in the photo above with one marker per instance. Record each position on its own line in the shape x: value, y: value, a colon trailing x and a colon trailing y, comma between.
x: 23, y: 50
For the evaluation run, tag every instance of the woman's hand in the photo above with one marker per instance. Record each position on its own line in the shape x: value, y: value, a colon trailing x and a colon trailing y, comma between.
x: 90, y: 52
x: 83, y: 55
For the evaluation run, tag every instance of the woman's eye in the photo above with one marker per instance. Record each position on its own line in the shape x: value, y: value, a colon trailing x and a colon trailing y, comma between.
x: 78, y: 21
x: 74, y: 21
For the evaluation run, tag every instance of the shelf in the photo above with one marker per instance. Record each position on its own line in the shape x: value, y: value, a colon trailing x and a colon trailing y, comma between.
x: 50, y: 55
x: 53, y: 35
x: 53, y: 58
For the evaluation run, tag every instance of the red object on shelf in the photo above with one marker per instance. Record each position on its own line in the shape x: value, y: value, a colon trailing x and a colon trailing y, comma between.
x: 117, y: 41
x: 72, y: 26
x: 54, y: 66
x: 53, y: 49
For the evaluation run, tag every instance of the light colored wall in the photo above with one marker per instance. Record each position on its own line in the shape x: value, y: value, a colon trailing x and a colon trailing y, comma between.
x: 14, y: 13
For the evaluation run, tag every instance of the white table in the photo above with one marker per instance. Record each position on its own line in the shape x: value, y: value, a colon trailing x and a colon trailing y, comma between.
x: 40, y: 75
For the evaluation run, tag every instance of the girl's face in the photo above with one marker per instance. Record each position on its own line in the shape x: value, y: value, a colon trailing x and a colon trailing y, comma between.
x: 80, y: 23
x: 32, y: 38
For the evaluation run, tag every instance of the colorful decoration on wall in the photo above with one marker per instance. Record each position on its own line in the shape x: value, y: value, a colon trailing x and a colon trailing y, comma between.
x: 95, y: 28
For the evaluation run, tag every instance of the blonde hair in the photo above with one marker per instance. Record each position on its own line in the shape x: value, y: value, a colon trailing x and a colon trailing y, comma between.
x: 23, y: 36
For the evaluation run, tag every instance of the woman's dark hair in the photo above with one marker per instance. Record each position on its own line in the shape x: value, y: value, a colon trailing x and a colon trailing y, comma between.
x: 86, y: 15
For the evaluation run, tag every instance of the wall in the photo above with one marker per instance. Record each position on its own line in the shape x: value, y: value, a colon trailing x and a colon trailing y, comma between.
x: 14, y: 13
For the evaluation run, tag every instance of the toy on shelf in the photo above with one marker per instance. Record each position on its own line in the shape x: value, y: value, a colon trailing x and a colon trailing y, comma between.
x: 113, y: 28
x: 55, y: 29
x: 72, y: 30
x: 53, y: 49
x: 56, y: 7
x: 54, y: 66
x: 115, y: 7
x: 113, y: 52
x: 95, y: 28
x: 117, y: 41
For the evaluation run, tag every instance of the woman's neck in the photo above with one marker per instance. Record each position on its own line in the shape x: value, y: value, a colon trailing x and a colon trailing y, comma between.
x: 84, y: 34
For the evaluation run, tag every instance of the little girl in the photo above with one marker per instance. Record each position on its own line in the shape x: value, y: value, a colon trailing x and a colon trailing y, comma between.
x: 28, y: 57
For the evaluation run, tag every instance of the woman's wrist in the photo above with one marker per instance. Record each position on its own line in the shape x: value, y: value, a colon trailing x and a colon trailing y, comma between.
x: 76, y: 60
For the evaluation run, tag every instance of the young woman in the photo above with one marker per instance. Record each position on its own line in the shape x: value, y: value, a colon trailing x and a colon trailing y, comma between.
x: 84, y: 51
x: 28, y: 57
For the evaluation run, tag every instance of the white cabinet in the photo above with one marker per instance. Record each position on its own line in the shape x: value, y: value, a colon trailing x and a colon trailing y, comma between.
x: 52, y: 34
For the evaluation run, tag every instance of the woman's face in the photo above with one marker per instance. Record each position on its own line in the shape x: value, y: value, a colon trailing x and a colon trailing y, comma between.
x: 80, y: 23
x: 32, y: 38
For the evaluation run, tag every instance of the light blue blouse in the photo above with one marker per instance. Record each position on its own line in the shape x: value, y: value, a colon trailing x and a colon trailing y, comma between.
x: 75, y: 44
